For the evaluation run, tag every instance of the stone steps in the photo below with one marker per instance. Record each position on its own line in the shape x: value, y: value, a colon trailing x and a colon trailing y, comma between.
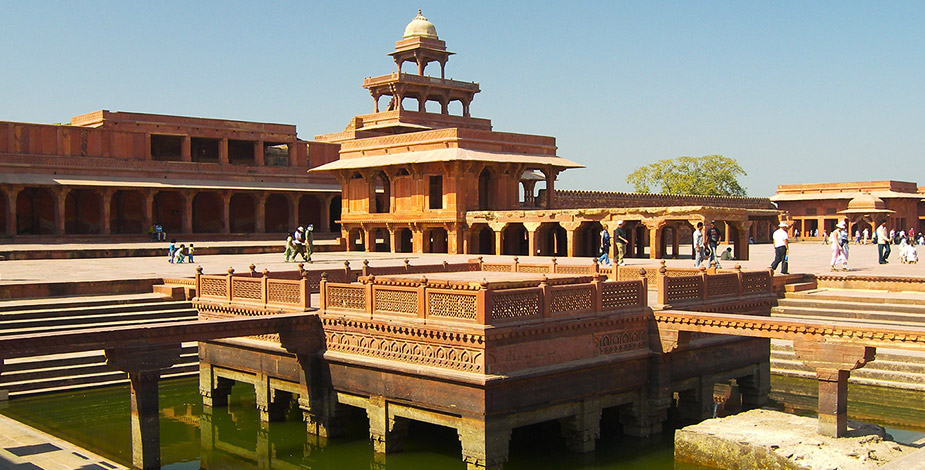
x: 58, y: 372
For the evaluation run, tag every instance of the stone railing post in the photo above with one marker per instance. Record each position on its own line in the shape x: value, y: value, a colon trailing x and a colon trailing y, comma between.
x: 407, y: 265
x: 228, y: 289
x: 322, y: 288
x: 369, y: 284
x: 740, y: 279
x: 553, y: 265
x: 662, y: 285
x: 305, y: 291
x: 422, y: 298
x: 598, y: 293
x: 265, y: 287
x: 544, y: 298
x: 704, y: 279
x: 515, y: 265
x: 365, y: 267
x: 347, y: 274
x: 198, y: 280
x: 252, y: 269
x: 644, y: 286
x: 483, y: 304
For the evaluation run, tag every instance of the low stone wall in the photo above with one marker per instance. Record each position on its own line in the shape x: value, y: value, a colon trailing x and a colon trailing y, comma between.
x: 887, y: 283
x: 58, y: 289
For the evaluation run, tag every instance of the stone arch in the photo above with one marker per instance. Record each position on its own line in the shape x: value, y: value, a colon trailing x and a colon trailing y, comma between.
x: 404, y: 241
x: 552, y: 240
x: 168, y: 211
x: 208, y: 208
x: 242, y: 209
x: 481, y: 240
x: 276, y: 214
x: 35, y: 211
x: 514, y: 240
x: 380, y: 192
x: 334, y: 214
x: 436, y: 240
x: 309, y: 211
x: 381, y: 240
x: 126, y: 212
x: 587, y: 239
x: 82, y: 211
x: 356, y: 239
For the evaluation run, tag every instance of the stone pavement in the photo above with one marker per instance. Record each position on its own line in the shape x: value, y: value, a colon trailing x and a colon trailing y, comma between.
x: 26, y: 448
x: 804, y: 258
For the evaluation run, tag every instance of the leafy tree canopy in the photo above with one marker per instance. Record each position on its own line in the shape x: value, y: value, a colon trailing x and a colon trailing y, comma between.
x: 711, y: 175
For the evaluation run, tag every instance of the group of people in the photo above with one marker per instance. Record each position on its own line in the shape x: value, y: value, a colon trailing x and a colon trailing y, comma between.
x: 621, y: 241
x: 706, y: 243
x: 157, y: 233
x: 180, y: 254
x: 839, y: 239
x: 300, y: 243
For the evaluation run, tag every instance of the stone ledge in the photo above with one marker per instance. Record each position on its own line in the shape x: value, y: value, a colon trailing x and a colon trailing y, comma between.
x: 771, y: 439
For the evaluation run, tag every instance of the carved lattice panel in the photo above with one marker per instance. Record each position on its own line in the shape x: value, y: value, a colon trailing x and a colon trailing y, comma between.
x: 246, y: 288
x: 571, y: 299
x: 211, y: 286
x: 444, y: 356
x: 451, y: 305
x: 521, y: 304
x: 620, y: 294
x: 755, y: 281
x: 396, y: 301
x: 348, y: 297
x: 502, y: 268
x: 534, y: 268
x: 573, y: 269
x: 284, y: 293
x: 622, y: 341
x: 722, y: 285
x: 683, y: 288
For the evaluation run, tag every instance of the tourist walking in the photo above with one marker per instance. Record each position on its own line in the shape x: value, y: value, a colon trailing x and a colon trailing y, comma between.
x: 866, y: 235
x: 713, y: 236
x: 171, y: 251
x: 781, y: 244
x: 605, y: 247
x: 310, y: 242
x: 839, y: 255
x: 189, y: 253
x: 883, y: 243
x: 620, y: 240
x: 699, y: 253
x: 290, y: 248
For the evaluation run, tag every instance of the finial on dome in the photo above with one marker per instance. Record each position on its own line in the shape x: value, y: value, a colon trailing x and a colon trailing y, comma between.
x: 420, y: 27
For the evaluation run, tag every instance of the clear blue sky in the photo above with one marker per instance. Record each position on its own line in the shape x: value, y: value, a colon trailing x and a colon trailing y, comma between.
x: 796, y: 91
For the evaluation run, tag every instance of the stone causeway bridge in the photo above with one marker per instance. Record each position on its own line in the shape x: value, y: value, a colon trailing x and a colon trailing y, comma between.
x: 479, y: 347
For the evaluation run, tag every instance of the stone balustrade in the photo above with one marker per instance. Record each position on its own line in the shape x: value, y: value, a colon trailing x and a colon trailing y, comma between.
x: 255, y: 293
x: 706, y: 286
x: 480, y: 303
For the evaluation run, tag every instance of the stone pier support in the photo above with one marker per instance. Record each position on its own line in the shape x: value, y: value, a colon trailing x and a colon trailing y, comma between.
x: 386, y: 432
x: 484, y: 444
x: 756, y: 387
x: 582, y: 430
x: 833, y: 363
x: 144, y: 366
x: 214, y: 390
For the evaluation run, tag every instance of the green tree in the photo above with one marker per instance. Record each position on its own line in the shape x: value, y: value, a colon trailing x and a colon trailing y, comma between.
x: 711, y: 175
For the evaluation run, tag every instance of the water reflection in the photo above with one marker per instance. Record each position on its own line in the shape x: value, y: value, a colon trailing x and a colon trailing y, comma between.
x: 232, y: 437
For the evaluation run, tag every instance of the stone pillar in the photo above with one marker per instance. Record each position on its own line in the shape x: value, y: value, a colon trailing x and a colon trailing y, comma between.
x: 61, y: 196
x: 260, y: 225
x: 740, y: 244
x: 570, y: 229
x: 417, y: 239
x: 386, y: 431
x: 369, y: 239
x: 393, y: 239
x: 293, y: 199
x: 12, y: 194
x: 497, y: 229
x: 148, y: 217
x: 756, y: 387
x: 484, y: 443
x: 580, y: 431
x: 186, y: 154
x: 213, y: 389
x: 655, y: 237
x: 833, y: 363
x: 226, y: 211
x: 186, y: 222
x: 143, y: 366
x: 325, y: 204
x: 532, y: 237
x: 259, y: 155
x: 105, y: 212
x: 270, y: 406
x: 223, y: 151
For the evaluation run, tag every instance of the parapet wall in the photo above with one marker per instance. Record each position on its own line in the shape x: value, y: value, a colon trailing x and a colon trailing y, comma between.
x: 573, y: 199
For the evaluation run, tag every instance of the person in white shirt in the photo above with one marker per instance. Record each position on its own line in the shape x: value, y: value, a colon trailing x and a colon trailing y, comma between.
x: 780, y: 247
x: 839, y: 255
x: 883, y: 243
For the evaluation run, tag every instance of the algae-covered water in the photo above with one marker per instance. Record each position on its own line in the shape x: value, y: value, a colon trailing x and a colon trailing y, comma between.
x: 98, y: 420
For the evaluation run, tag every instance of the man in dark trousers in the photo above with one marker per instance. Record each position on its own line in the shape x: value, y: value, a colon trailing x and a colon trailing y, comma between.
x: 621, y: 241
x: 781, y: 244
x: 713, y: 236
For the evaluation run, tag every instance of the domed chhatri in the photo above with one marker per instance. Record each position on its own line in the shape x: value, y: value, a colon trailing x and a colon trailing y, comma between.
x: 866, y: 201
x: 420, y: 27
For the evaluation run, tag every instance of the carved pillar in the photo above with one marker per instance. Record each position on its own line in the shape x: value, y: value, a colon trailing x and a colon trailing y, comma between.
x: 498, y: 229
x: 655, y: 227
x: 226, y: 211
x: 61, y: 198
x: 260, y: 222
x: 148, y: 217
x: 12, y: 194
x: 393, y: 239
x: 582, y: 430
x: 105, y: 206
x: 293, y: 199
x: 532, y: 237
x: 484, y: 443
x: 417, y: 239
x: 186, y: 221
x: 570, y: 229
x: 833, y: 363
x: 740, y: 245
x: 318, y: 405
x: 386, y: 431
x: 325, y: 203
x: 369, y: 238
x: 213, y: 389
x: 143, y: 366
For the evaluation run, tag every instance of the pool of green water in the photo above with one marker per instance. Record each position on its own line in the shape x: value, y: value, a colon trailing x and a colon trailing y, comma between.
x: 231, y: 437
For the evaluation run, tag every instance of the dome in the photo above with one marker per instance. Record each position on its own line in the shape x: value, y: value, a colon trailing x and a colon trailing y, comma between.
x: 420, y: 27
x: 866, y: 202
